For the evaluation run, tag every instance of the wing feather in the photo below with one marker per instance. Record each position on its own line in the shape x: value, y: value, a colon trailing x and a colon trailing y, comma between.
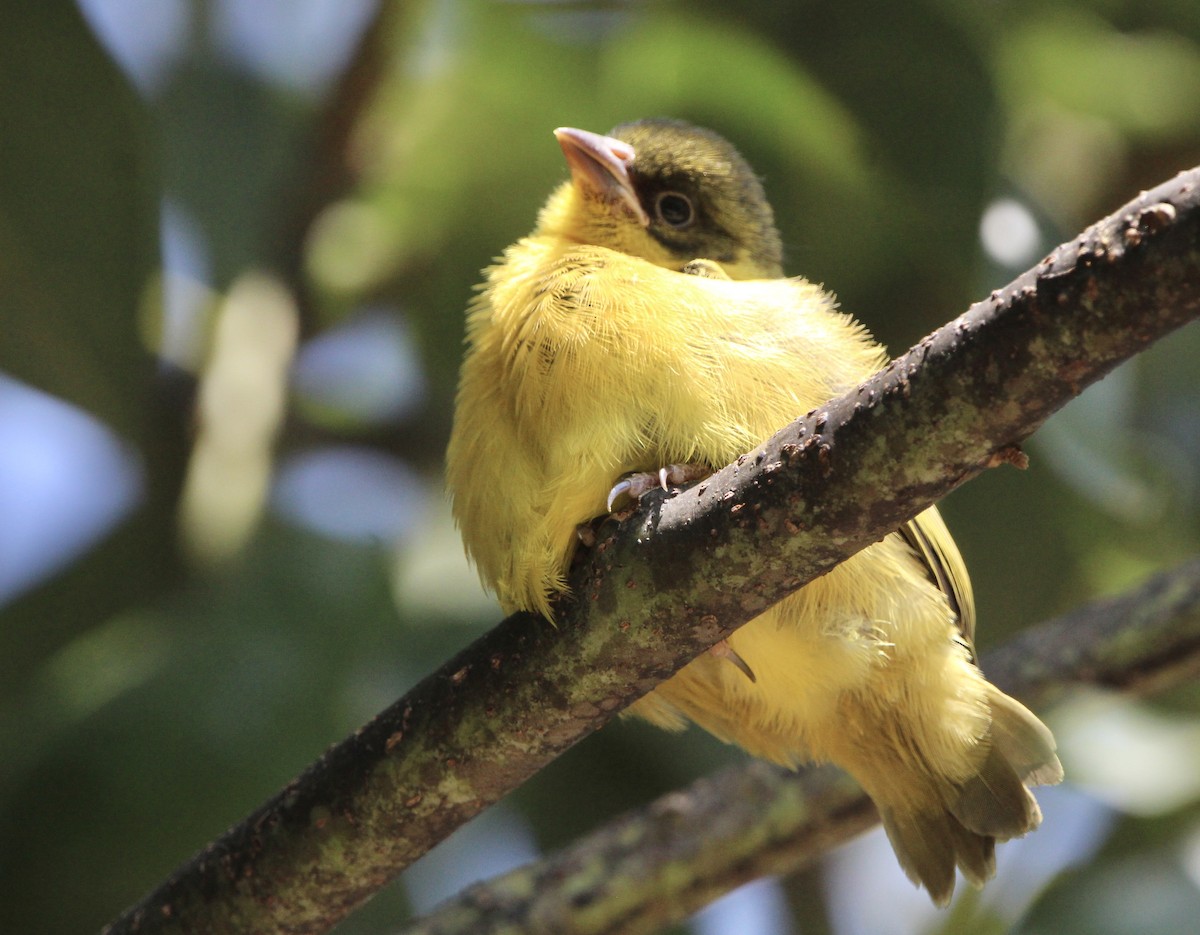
x: 931, y: 540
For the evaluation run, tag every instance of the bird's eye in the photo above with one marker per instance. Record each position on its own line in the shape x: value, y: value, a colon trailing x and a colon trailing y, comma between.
x: 674, y: 209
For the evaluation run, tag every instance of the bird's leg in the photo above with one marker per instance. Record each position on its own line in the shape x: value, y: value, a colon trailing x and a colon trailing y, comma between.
x: 644, y: 481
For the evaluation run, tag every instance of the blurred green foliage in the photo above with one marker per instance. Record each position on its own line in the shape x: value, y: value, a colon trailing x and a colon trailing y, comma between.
x: 148, y: 700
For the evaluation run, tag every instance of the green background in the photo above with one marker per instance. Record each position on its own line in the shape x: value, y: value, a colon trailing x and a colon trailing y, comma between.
x: 152, y: 692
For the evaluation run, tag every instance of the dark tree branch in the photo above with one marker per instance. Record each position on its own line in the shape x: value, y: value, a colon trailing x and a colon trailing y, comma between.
x: 657, y: 866
x: 685, y: 572
x: 331, y: 169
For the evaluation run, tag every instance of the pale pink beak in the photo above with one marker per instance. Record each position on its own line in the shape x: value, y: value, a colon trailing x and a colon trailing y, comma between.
x: 600, y: 164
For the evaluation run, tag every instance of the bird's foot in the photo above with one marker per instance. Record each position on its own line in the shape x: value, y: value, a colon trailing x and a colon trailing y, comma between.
x: 641, y: 482
x: 723, y: 650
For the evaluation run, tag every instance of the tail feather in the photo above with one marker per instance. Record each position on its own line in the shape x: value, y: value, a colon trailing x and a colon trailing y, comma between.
x: 930, y: 844
x: 994, y: 802
x: 931, y: 838
x: 1024, y: 741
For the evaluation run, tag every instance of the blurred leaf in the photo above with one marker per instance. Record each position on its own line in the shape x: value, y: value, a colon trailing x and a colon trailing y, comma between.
x: 766, y: 101
x: 1148, y: 895
x: 186, y: 716
x: 232, y: 149
x: 78, y: 216
x: 78, y: 246
x: 915, y: 77
x: 1146, y: 83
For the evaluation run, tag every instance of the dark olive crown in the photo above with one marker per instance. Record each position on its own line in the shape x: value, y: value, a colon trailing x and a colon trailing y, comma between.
x: 702, y: 197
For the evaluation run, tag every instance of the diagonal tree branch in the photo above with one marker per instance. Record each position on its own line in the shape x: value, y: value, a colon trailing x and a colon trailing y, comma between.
x: 685, y: 572
x: 658, y: 865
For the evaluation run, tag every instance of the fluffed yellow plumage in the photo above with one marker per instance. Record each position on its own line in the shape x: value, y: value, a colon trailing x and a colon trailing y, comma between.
x: 646, y: 323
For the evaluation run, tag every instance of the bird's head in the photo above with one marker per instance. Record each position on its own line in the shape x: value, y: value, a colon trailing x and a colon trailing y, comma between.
x: 667, y: 192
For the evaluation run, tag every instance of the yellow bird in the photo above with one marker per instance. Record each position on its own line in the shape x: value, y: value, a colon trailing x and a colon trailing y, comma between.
x: 644, y: 331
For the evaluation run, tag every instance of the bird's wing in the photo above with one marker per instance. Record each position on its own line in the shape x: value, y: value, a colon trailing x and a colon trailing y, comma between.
x: 930, y: 539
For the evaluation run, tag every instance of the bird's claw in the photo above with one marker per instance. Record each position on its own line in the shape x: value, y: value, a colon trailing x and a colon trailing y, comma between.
x: 723, y: 650
x: 619, y: 488
x: 643, y: 481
